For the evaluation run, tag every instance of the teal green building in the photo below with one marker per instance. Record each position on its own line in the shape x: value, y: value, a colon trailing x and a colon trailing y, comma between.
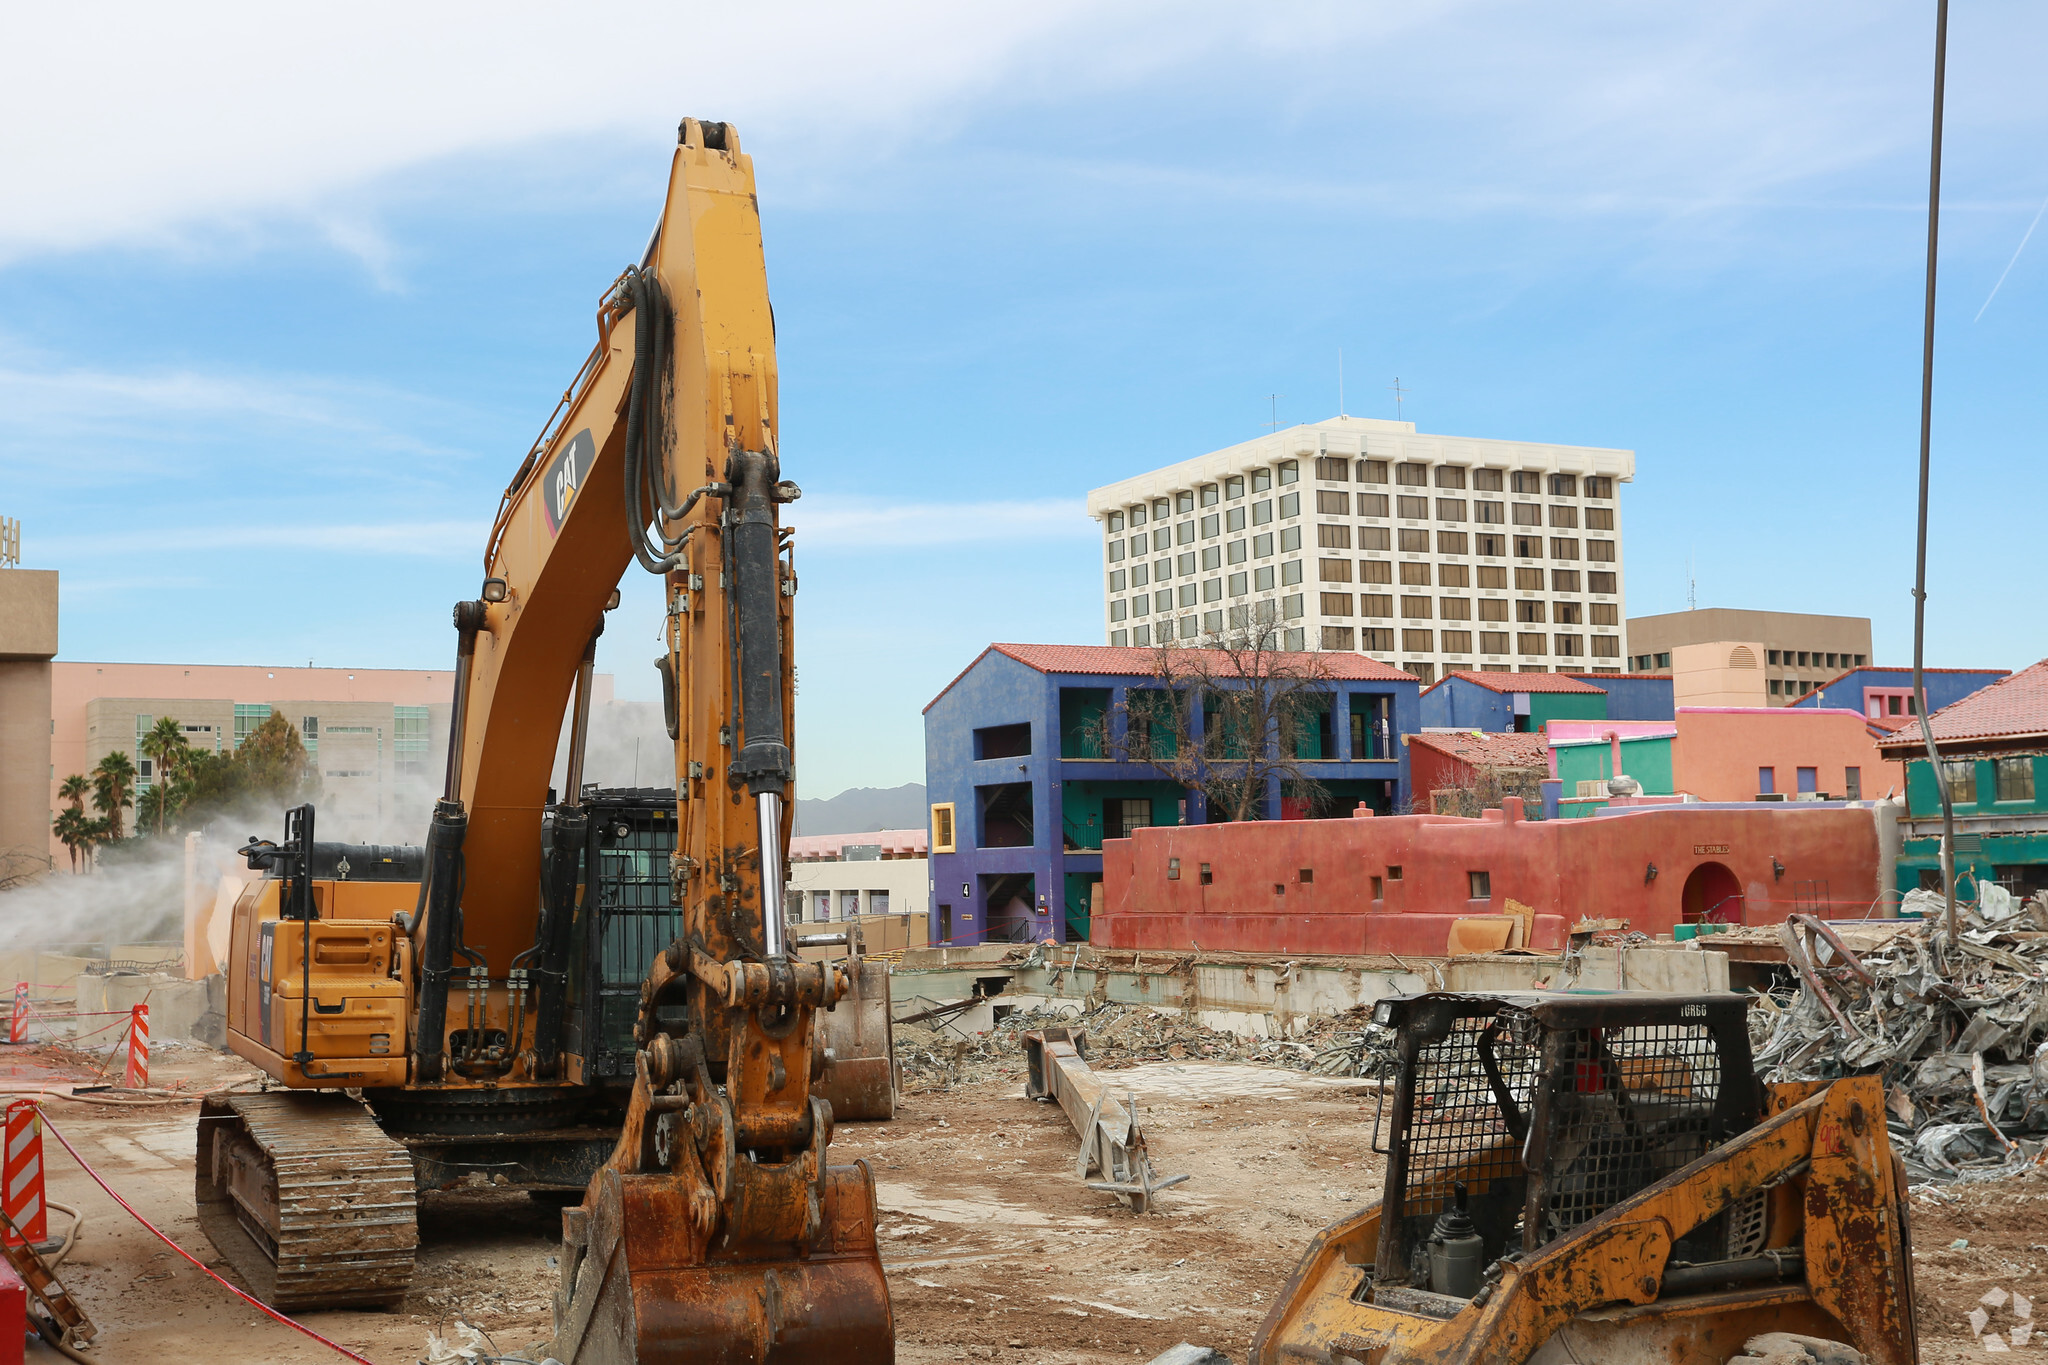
x: 1994, y: 761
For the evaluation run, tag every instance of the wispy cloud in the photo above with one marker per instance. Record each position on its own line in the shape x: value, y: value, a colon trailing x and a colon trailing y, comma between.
x: 420, y: 539
x: 877, y: 525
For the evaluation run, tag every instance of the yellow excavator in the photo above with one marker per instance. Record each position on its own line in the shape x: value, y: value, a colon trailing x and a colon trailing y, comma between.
x: 469, y: 990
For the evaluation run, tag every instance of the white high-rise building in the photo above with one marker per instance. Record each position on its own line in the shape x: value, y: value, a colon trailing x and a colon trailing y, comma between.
x: 1432, y: 553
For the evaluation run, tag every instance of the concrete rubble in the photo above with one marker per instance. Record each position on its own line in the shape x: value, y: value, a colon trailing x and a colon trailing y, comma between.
x: 1958, y: 1031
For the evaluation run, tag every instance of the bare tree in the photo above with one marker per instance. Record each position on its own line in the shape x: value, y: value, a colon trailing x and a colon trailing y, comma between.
x: 1484, y: 789
x: 1228, y: 720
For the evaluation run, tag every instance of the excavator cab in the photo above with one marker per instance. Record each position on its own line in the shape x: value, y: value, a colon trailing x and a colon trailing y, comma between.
x: 1601, y: 1177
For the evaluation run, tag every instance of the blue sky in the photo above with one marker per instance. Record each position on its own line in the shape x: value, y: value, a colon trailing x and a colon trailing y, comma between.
x: 283, y: 300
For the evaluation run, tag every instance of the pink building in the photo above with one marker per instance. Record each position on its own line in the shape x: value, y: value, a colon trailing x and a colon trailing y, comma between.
x: 379, y: 735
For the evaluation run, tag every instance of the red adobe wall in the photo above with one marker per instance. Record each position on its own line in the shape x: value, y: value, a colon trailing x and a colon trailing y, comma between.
x: 1431, y: 769
x: 1257, y: 901
x: 1719, y: 750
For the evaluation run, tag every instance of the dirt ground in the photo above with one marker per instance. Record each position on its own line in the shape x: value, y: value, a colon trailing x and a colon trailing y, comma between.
x: 994, y: 1248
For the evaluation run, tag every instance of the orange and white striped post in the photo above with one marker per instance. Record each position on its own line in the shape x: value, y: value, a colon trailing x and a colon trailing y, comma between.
x: 137, y: 1076
x: 21, y: 1176
x: 17, y: 1022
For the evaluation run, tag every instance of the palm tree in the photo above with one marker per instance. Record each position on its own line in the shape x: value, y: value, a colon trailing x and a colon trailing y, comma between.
x: 113, y: 788
x: 70, y: 827
x: 75, y: 789
x: 165, y: 745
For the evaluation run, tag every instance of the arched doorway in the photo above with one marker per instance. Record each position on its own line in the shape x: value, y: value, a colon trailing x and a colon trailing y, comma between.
x: 1711, y: 893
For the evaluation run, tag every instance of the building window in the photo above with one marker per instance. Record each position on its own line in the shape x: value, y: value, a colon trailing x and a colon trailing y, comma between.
x: 1415, y: 608
x: 1489, y: 545
x: 1450, y: 476
x: 1262, y: 579
x: 1374, y: 538
x: 1564, y: 547
x: 1233, y: 487
x: 1490, y: 513
x: 1961, y: 777
x: 1333, y: 537
x: 1412, y: 475
x: 1565, y: 613
x: 1212, y: 526
x: 1141, y: 635
x: 1336, y: 604
x: 1290, y: 572
x: 1532, y: 644
x: 1262, y: 512
x: 1290, y: 607
x: 1450, y: 509
x: 1412, y: 509
x: 1425, y: 673
x: 1568, y: 646
x: 1530, y: 612
x: 1415, y: 542
x: 1212, y: 558
x: 1528, y: 514
x: 1528, y: 547
x: 1333, y: 469
x: 1766, y: 781
x: 1372, y: 471
x: 1564, y: 580
x: 1607, y: 646
x: 1372, y: 504
x: 1564, y: 485
x: 1492, y: 609
x: 1333, y: 570
x: 1117, y: 610
x: 1290, y: 505
x: 1600, y: 551
x: 1808, y: 780
x: 1239, y: 585
x: 410, y: 741
x: 1599, y: 486
x: 1599, y: 518
x: 1262, y: 546
x: 1375, y: 641
x: 1289, y: 471
x: 1337, y: 637
x: 1457, y: 642
x: 1774, y: 687
x: 1486, y: 480
x: 2015, y: 778
x: 1262, y: 479
x: 1330, y: 502
x: 1122, y: 815
x: 1525, y: 481
x: 1450, y: 542
x: 1480, y: 885
x: 1604, y: 614
x: 1493, y: 642
x: 1234, y: 552
x: 1454, y: 608
x: 1663, y: 661
x: 1564, y: 516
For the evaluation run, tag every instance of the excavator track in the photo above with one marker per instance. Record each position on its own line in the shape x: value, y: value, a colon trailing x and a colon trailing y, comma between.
x: 307, y: 1198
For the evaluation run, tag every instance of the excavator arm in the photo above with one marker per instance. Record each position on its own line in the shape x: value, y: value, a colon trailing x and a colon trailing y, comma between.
x: 717, y: 1231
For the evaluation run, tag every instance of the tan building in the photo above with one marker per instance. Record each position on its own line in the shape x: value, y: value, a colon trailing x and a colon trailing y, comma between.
x: 1428, y: 552
x: 1721, y: 656
x: 378, y: 736
x: 882, y: 880
x: 28, y: 641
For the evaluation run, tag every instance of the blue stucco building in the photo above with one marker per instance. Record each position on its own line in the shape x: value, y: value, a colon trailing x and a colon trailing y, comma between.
x: 1882, y: 692
x: 1022, y: 796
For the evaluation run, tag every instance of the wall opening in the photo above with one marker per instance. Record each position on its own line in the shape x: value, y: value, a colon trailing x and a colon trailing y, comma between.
x: 1009, y: 902
x: 1712, y: 893
x: 1005, y: 815
x: 1003, y: 741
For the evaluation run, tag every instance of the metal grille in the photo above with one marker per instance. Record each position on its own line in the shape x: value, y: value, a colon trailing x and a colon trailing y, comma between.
x: 639, y: 921
x: 1629, y: 1106
x: 1458, y: 1128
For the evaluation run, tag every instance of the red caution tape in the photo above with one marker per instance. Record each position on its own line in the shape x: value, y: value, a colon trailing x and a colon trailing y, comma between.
x: 247, y: 1298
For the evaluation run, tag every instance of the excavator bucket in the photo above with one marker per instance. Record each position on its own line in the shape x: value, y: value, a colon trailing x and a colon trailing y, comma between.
x: 640, y: 1288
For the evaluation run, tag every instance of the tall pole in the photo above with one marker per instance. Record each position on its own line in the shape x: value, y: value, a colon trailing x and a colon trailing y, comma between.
x: 1948, y: 813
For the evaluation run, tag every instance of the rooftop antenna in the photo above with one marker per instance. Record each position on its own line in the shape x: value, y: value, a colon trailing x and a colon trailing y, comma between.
x: 1340, y: 383
x: 1399, y: 393
x: 1275, y: 398
x: 1692, y: 585
x: 1948, y: 811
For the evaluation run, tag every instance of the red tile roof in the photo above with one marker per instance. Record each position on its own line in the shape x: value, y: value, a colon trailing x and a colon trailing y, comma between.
x: 1588, y: 675
x: 2013, y: 707
x: 1490, y: 750
x: 1132, y: 661
x: 1523, y: 682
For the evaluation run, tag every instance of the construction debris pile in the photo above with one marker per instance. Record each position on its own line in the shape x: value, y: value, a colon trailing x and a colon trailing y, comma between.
x: 1958, y: 1031
x: 941, y: 1055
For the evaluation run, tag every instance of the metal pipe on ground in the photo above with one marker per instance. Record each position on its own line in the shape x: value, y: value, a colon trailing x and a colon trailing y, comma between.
x: 1111, y: 1142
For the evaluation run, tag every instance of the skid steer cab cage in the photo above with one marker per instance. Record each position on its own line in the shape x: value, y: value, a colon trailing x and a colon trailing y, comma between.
x: 1549, y: 1109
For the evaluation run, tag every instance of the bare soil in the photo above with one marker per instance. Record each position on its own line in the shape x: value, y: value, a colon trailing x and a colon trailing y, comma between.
x: 994, y: 1247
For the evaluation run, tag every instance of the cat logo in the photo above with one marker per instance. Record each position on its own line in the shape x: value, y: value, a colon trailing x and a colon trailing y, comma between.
x: 564, y: 477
